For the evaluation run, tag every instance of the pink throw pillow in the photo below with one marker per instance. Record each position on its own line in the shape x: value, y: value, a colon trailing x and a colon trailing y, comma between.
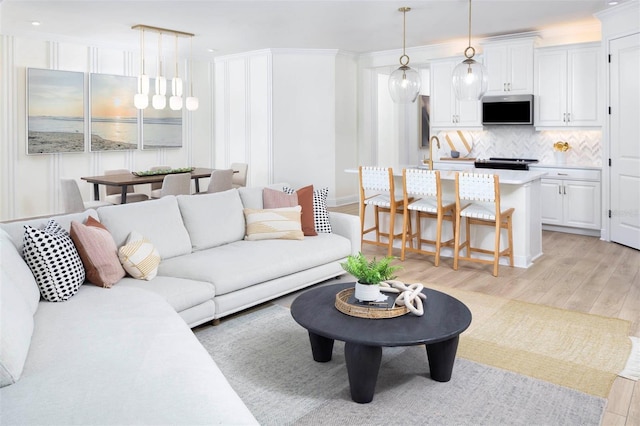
x: 98, y: 252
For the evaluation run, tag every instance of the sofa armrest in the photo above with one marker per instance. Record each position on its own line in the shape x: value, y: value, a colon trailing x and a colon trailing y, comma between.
x: 348, y: 226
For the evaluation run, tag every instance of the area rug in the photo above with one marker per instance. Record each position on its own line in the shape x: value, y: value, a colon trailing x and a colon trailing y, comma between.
x: 577, y: 350
x: 267, y: 359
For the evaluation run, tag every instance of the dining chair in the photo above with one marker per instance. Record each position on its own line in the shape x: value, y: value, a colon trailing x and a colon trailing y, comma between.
x: 426, y: 185
x: 72, y: 198
x: 380, y: 181
x: 114, y: 194
x: 221, y: 180
x: 481, y: 193
x: 240, y: 177
x: 174, y: 184
x: 158, y: 185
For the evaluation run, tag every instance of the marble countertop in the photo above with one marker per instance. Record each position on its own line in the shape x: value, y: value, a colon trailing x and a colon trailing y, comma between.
x: 508, y: 177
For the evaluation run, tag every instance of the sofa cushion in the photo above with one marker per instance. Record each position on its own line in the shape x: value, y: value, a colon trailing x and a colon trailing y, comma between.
x: 258, y: 261
x: 12, y: 264
x: 181, y: 293
x: 54, y: 261
x: 98, y: 252
x: 121, y: 356
x: 139, y: 257
x: 15, y: 229
x: 266, y: 224
x: 16, y: 327
x: 212, y: 219
x: 158, y: 220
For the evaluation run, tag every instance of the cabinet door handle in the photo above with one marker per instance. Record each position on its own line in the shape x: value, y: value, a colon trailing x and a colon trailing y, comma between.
x: 564, y: 117
x: 564, y: 190
x: 563, y: 174
x: 560, y: 190
x: 568, y: 117
x: 509, y: 86
x: 504, y: 86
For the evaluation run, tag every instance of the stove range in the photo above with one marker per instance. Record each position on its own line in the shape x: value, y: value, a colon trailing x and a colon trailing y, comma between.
x: 504, y: 163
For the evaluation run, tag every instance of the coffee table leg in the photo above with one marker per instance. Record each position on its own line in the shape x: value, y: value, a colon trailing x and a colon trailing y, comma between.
x: 441, y: 358
x: 321, y: 347
x: 363, y: 364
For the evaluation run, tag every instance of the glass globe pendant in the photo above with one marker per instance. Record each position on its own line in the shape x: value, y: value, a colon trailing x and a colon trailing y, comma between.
x: 405, y: 82
x: 470, y: 78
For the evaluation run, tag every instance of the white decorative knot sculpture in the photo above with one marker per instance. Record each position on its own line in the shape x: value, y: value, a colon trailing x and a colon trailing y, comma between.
x: 410, y: 295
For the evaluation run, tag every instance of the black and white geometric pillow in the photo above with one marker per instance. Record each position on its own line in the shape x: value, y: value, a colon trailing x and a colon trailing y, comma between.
x: 320, y: 213
x: 54, y: 261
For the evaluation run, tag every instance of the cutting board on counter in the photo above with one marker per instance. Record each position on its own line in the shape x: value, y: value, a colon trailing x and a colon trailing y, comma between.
x: 458, y: 140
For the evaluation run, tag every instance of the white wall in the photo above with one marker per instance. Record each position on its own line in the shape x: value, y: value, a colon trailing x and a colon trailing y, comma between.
x: 30, y: 183
x: 294, y: 112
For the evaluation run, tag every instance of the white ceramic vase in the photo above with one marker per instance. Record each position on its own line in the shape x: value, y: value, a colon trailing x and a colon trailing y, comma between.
x: 367, y: 292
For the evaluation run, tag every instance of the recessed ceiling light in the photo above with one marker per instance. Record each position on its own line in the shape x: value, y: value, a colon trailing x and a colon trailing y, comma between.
x: 612, y: 2
x: 35, y: 23
x: 210, y: 50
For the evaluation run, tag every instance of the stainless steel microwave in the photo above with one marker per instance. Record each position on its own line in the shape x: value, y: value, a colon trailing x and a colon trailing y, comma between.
x: 509, y: 109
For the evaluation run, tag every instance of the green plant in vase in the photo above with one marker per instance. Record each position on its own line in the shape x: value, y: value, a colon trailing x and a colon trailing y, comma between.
x: 369, y: 274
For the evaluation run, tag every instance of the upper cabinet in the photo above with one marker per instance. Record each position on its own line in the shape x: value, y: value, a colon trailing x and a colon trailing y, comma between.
x: 447, y: 112
x: 567, y: 86
x: 510, y: 66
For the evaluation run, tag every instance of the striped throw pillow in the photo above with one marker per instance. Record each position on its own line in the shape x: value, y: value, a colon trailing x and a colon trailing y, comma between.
x: 139, y: 257
x: 281, y: 223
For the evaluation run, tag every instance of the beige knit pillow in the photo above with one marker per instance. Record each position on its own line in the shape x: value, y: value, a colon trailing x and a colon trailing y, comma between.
x: 139, y: 257
x: 281, y: 223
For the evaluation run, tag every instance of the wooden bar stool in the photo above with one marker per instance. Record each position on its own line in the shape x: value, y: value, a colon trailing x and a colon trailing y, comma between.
x: 482, y: 191
x: 379, y: 180
x: 426, y: 184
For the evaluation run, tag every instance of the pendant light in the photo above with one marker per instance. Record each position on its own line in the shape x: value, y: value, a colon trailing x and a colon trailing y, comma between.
x: 470, y: 77
x: 175, y: 101
x: 159, y: 100
x: 141, y: 98
x: 404, y: 83
x: 191, y: 102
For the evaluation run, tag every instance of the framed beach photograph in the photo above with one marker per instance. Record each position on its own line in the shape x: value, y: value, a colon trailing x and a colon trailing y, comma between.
x: 55, y: 111
x: 114, y: 118
x: 161, y: 128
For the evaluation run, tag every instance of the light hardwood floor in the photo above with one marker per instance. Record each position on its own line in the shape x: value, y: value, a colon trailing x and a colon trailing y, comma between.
x: 576, y: 272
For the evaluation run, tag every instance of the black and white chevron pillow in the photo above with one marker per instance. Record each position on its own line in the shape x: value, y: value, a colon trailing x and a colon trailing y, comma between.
x: 54, y: 261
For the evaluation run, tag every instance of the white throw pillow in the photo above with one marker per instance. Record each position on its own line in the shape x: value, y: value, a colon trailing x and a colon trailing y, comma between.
x: 283, y: 223
x: 54, y: 261
x: 139, y: 257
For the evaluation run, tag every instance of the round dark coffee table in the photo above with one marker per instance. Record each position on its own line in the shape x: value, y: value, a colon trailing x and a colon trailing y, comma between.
x: 438, y: 329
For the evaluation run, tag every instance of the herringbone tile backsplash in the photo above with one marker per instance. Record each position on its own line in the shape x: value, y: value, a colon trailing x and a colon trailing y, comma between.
x: 525, y: 142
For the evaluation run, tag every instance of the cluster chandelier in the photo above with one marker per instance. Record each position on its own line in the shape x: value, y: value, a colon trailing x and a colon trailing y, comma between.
x: 159, y: 99
x: 404, y: 83
x: 470, y: 78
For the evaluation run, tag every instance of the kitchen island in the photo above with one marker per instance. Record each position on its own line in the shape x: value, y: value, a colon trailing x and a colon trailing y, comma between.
x: 518, y: 189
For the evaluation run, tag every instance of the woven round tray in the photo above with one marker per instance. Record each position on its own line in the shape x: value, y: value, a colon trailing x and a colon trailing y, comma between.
x: 366, y: 311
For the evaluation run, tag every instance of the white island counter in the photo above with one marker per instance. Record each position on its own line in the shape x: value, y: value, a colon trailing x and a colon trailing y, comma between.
x: 519, y: 189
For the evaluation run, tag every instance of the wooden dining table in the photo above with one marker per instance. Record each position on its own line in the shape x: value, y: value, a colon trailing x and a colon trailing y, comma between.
x: 126, y: 179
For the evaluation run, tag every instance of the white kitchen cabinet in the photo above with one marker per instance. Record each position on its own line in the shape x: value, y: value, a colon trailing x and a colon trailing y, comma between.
x: 510, y: 66
x: 447, y: 112
x: 571, y: 199
x: 567, y: 86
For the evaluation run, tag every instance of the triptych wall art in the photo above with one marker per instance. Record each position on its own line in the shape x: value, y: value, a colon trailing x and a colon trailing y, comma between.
x: 57, y: 116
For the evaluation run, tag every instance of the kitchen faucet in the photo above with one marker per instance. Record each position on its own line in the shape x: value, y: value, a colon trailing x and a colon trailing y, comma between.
x: 431, y: 150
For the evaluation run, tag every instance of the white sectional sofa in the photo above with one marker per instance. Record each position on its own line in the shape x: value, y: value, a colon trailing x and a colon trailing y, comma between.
x: 126, y: 354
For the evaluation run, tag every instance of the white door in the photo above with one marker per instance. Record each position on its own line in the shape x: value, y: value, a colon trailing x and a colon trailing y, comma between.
x: 624, y: 137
